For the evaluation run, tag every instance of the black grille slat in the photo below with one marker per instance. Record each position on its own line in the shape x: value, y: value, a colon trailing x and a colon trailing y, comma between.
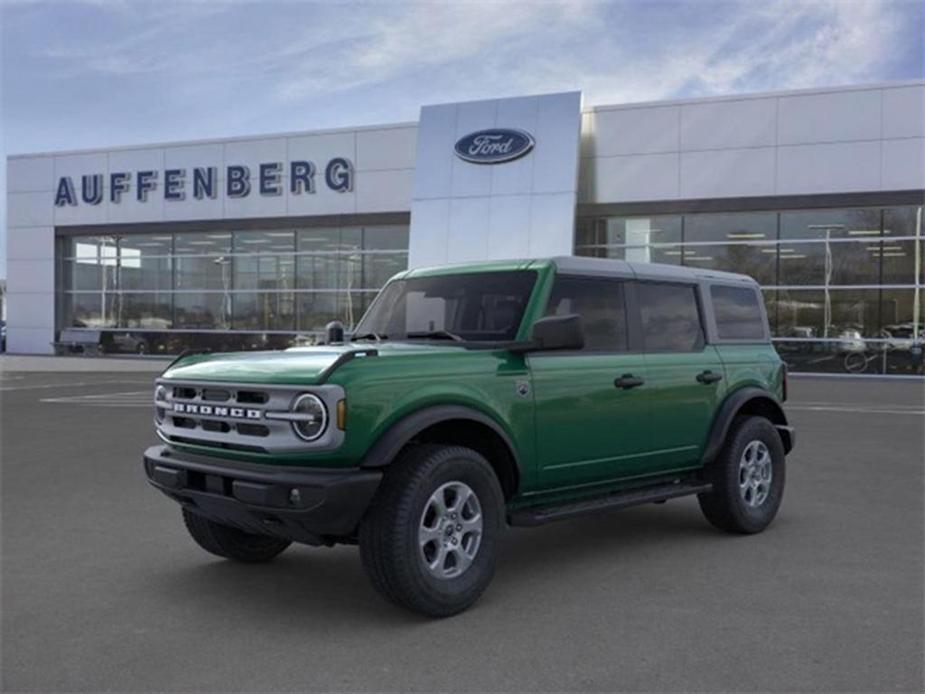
x: 252, y: 429
x: 252, y: 397
x: 216, y: 395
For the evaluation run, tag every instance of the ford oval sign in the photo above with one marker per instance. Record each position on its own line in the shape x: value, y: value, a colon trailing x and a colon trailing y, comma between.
x: 494, y: 146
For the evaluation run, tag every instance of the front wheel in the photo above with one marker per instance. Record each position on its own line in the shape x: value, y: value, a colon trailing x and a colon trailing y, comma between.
x: 428, y: 541
x: 231, y: 543
x: 747, y: 477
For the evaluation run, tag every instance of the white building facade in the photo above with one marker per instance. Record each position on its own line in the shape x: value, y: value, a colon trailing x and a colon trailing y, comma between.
x: 258, y: 242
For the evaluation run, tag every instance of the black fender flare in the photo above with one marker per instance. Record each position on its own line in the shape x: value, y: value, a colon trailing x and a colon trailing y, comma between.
x: 732, y: 405
x: 397, y: 436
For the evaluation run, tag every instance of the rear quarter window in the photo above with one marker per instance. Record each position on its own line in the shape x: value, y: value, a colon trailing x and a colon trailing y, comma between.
x: 738, y: 313
x: 670, y: 317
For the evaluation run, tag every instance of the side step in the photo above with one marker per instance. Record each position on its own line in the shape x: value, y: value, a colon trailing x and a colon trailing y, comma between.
x: 622, y: 499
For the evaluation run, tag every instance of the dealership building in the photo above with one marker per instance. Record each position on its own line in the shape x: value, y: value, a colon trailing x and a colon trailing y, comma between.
x: 258, y: 242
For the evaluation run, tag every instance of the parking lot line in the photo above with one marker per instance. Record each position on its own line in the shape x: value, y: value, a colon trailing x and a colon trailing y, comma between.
x: 133, y: 398
x: 897, y: 409
x: 83, y: 384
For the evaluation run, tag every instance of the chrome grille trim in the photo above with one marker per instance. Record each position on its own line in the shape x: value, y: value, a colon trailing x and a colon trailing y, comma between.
x: 192, y: 415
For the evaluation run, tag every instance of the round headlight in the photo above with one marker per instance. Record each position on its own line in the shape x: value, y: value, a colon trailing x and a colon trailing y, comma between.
x: 312, y: 417
x: 160, y: 396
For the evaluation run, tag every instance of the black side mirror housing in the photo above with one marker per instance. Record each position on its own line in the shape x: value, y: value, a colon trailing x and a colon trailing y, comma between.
x: 557, y: 332
x: 334, y: 333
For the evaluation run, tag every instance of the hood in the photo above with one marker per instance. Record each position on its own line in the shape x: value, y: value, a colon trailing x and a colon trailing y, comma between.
x: 297, y: 366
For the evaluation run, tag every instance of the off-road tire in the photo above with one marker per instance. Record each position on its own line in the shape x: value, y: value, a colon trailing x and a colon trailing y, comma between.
x: 232, y: 543
x: 388, y: 535
x: 724, y: 506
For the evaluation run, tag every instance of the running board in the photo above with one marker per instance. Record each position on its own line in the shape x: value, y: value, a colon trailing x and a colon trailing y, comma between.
x: 622, y: 499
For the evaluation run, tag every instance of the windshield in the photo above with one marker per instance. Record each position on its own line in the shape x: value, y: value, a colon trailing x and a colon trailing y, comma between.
x: 470, y: 307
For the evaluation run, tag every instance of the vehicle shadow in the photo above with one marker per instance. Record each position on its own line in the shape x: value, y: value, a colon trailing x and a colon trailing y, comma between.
x: 331, y: 587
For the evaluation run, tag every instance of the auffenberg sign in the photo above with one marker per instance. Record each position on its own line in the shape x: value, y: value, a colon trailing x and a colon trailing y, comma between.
x: 203, y: 182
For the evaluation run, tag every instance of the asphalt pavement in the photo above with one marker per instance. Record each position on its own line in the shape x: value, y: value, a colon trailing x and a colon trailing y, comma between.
x: 103, y: 590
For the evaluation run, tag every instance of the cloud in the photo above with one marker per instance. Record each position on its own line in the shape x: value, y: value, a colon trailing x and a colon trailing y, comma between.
x: 145, y: 70
x: 413, y: 37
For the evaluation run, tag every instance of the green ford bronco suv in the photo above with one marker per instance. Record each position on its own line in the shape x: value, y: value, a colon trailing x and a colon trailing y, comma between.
x: 472, y: 397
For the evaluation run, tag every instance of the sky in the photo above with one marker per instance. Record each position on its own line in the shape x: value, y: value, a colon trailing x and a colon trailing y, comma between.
x: 96, y: 73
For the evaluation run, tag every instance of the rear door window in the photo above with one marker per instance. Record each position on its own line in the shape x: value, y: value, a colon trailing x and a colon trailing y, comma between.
x: 738, y: 313
x: 600, y: 304
x: 670, y: 317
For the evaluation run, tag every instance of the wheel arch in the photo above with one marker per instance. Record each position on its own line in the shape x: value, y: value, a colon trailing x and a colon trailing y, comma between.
x: 747, y: 401
x: 454, y: 425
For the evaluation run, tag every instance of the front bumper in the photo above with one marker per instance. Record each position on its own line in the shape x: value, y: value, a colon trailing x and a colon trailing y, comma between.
x: 309, y: 505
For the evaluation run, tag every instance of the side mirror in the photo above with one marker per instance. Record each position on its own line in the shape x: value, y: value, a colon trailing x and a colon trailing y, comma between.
x: 558, y: 332
x: 334, y: 333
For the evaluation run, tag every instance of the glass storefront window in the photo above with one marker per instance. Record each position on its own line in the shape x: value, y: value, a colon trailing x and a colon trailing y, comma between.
x: 380, y: 267
x: 835, y: 314
x: 317, y: 309
x: 264, y: 272
x: 203, y: 243
x: 902, y: 221
x: 150, y: 311
x: 150, y: 273
x: 837, y: 283
x: 901, y: 315
x: 859, y: 223
x: 829, y: 263
x: 628, y: 231
x: 146, y: 245
x: 225, y: 280
x: 206, y: 310
x: 92, y: 310
x: 263, y: 311
x: 252, y: 242
x: 730, y: 227
x: 758, y: 261
x: 203, y: 272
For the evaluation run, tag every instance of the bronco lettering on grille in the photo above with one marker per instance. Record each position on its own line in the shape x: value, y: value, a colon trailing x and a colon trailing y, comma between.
x: 211, y: 410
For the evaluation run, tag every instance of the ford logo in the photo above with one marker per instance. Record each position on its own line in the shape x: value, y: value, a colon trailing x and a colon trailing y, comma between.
x: 494, y: 146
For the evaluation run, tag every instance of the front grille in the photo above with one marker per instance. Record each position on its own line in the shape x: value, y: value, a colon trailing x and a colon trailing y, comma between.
x: 232, y: 417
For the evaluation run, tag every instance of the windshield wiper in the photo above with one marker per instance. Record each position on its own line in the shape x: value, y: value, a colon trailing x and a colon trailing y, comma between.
x: 369, y: 336
x: 436, y: 335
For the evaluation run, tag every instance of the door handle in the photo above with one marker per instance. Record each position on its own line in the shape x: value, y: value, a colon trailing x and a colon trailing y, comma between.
x: 707, y: 377
x: 627, y: 381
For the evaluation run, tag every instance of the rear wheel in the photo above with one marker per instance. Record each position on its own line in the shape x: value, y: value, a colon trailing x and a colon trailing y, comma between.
x: 428, y: 541
x: 231, y: 543
x: 747, y: 478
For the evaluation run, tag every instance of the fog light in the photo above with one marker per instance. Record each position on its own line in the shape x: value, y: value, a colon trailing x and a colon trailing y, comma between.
x: 295, y: 497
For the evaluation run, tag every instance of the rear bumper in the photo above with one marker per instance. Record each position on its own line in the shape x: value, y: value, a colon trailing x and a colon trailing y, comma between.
x: 308, y: 505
